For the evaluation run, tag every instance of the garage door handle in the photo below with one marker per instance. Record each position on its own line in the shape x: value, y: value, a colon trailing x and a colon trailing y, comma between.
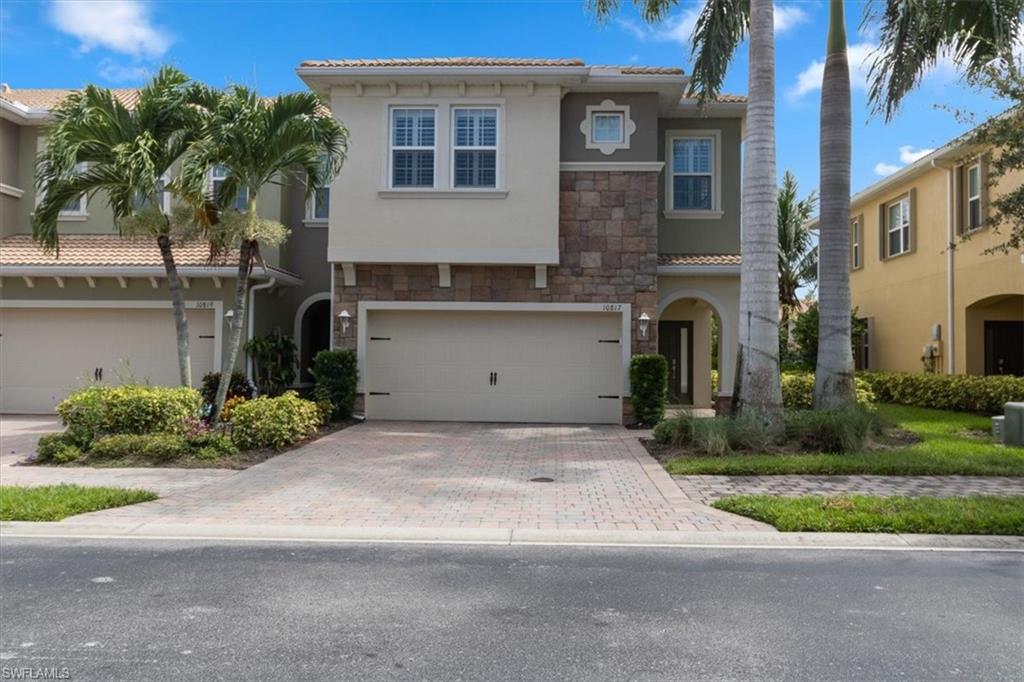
x: 492, y: 379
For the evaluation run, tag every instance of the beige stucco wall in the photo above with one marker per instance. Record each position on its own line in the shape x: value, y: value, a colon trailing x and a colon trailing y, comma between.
x: 905, y: 296
x: 699, y: 313
x: 521, y: 227
x: 722, y: 293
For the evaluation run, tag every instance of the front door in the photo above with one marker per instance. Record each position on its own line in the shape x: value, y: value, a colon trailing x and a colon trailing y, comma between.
x: 675, y: 342
x: 1004, y: 347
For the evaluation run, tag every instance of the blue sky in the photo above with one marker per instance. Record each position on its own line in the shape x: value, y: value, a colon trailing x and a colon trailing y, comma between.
x: 118, y: 42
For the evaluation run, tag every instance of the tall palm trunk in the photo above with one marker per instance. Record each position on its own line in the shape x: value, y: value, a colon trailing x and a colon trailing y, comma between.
x: 178, y: 306
x: 245, y: 253
x: 758, y: 387
x: 834, y: 384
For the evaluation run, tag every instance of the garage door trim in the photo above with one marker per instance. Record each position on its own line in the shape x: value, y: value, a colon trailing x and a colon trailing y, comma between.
x: 625, y: 309
x: 216, y: 306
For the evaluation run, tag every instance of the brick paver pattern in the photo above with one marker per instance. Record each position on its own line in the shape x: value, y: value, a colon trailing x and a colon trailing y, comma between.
x: 707, y: 489
x: 444, y: 475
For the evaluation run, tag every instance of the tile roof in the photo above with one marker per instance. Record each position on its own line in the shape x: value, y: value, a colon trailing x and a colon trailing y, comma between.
x: 732, y: 99
x: 99, y: 250
x: 699, y: 259
x: 440, y: 61
x: 48, y: 98
x: 650, y: 70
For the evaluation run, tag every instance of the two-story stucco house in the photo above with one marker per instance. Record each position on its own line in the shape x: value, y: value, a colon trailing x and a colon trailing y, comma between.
x: 506, y: 233
x: 101, y: 309
x: 923, y: 275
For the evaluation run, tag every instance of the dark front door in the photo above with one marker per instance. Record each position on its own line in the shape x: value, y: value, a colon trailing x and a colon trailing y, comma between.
x: 1004, y: 347
x: 675, y: 342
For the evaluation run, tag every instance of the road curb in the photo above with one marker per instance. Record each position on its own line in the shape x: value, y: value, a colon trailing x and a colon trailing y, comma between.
x: 513, y: 536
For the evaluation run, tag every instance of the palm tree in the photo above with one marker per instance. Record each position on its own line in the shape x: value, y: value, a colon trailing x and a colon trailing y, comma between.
x: 253, y: 142
x: 720, y: 28
x: 833, y: 376
x: 798, y: 257
x: 126, y: 153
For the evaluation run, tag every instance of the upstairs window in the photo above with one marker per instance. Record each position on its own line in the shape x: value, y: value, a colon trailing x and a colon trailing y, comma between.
x: 608, y: 126
x: 218, y: 174
x: 475, y: 147
x: 319, y: 207
x: 974, y: 197
x: 412, y: 147
x: 898, y: 226
x: 76, y: 208
x: 856, y: 237
x: 692, y: 173
x: 140, y: 202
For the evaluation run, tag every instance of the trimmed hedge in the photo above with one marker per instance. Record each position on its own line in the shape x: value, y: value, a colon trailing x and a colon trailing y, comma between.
x: 274, y: 422
x: 648, y: 380
x: 99, y: 410
x: 57, y: 447
x: 160, y: 447
x: 798, y: 391
x: 335, y: 373
x: 957, y: 392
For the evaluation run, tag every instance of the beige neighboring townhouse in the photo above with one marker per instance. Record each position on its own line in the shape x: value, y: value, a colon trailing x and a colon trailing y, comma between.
x: 509, y: 232
x: 100, y: 311
x: 930, y: 307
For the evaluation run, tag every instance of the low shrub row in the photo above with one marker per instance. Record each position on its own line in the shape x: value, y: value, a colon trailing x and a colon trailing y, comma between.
x: 958, y: 392
x: 798, y: 390
x: 274, y: 422
x: 100, y: 410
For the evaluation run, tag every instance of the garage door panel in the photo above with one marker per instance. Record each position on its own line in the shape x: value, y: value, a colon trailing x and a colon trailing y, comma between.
x: 46, y: 353
x: 551, y: 367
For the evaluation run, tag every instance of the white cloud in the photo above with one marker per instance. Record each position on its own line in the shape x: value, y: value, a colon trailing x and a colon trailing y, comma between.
x: 883, y: 169
x: 120, y: 73
x: 857, y: 54
x: 909, y: 155
x: 788, y: 16
x: 119, y: 25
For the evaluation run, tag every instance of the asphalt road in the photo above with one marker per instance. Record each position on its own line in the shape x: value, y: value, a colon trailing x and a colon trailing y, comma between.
x: 112, y: 610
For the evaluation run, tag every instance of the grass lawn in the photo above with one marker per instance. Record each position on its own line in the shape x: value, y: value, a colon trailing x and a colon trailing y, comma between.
x: 869, y: 514
x: 56, y: 502
x: 947, y: 447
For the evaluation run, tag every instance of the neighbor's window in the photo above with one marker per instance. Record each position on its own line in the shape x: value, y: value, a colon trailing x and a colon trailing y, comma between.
x: 412, y: 147
x: 218, y: 174
x: 693, y: 173
x: 319, y: 206
x: 475, y: 147
x: 974, y: 197
x: 898, y: 219
x: 607, y: 126
x: 855, y: 243
x: 140, y: 202
x: 76, y: 206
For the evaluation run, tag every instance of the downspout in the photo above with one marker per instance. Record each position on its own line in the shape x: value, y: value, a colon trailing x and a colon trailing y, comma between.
x: 251, y: 322
x: 950, y: 310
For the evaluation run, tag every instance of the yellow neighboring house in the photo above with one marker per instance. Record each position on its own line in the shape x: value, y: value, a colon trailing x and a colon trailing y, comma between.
x: 930, y: 307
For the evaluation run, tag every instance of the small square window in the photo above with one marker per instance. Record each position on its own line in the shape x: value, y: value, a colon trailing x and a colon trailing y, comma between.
x: 608, y: 127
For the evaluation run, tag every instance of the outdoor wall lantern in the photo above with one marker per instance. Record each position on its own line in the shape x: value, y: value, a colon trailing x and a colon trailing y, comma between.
x: 645, y: 322
x: 345, y: 318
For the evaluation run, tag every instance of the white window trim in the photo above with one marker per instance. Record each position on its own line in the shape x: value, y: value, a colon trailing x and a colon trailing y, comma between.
x: 607, y: 107
x: 83, y: 212
x: 904, y: 203
x: 209, y: 185
x: 975, y: 167
x: 498, y: 180
x: 856, y: 247
x: 311, y: 220
x: 391, y: 146
x: 716, y: 211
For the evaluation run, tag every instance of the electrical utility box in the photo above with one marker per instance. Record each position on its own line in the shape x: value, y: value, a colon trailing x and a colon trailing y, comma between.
x: 1013, y: 424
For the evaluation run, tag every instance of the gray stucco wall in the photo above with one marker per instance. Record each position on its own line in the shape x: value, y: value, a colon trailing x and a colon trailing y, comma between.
x: 643, y: 110
x: 721, y: 235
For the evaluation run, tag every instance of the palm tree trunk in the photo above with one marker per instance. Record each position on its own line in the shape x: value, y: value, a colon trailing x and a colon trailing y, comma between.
x: 757, y: 373
x: 178, y: 306
x: 245, y: 252
x: 834, y: 384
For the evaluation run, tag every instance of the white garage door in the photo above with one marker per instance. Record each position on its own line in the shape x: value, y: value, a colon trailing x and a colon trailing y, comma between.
x: 45, y: 353
x: 494, y: 366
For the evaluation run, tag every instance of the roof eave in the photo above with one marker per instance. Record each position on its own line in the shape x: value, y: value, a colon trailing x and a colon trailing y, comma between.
x: 193, y: 271
x: 705, y: 270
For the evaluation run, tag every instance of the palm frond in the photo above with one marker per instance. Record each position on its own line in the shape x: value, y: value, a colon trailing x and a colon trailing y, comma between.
x: 720, y: 28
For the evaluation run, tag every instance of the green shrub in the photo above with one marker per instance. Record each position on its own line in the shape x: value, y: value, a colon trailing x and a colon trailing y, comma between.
x: 664, y: 431
x: 705, y: 435
x: 335, y: 373
x: 217, y: 441
x: 274, y: 359
x: 57, y: 447
x: 274, y: 422
x: 805, y: 334
x: 99, y: 410
x: 648, y: 380
x: 958, y: 392
x: 208, y: 453
x: 239, y: 386
x: 798, y: 391
x: 160, y: 447
x: 831, y: 431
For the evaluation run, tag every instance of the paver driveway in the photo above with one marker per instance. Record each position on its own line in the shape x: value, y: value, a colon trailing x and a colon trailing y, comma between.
x: 445, y: 475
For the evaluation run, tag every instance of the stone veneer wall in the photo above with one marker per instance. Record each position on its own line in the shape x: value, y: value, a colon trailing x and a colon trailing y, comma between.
x: 608, y: 253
